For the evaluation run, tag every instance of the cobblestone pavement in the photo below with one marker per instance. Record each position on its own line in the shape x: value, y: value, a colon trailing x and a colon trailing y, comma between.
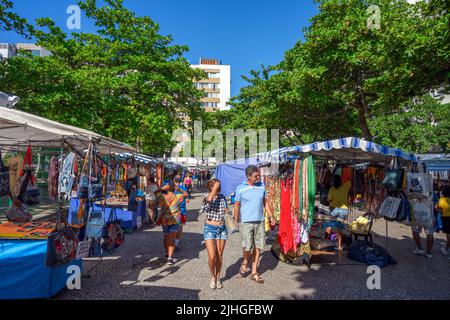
x: 138, y: 271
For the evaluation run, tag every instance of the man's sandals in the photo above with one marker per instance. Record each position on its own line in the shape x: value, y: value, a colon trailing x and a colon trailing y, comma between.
x: 243, y: 274
x: 257, y: 278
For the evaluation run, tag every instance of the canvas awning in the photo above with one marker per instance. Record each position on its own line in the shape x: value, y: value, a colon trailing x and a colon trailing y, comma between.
x: 19, y: 129
x: 345, y: 149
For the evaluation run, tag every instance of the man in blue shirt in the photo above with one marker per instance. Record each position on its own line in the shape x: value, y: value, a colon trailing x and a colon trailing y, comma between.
x: 250, y: 201
x: 180, y: 189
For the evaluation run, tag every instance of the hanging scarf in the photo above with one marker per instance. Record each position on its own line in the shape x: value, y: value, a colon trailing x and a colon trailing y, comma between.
x: 295, y: 189
x: 305, y: 190
x: 311, y: 190
x: 300, y: 190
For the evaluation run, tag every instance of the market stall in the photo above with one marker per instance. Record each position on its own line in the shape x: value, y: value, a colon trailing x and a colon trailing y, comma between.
x: 38, y: 255
x: 380, y: 184
x: 232, y: 173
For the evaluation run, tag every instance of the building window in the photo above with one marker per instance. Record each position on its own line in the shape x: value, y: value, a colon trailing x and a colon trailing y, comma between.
x: 36, y: 53
x: 211, y: 95
x: 209, y: 105
x: 213, y: 86
x: 213, y: 75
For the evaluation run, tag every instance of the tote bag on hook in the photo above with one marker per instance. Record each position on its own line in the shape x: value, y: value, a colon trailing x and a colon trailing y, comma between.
x: 393, y: 177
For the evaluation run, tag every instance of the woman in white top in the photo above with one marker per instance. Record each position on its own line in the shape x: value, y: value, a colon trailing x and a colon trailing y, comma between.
x: 150, y: 198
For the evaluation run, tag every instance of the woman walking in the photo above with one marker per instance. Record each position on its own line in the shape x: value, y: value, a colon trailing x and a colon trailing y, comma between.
x: 215, y: 232
x: 188, y: 184
x: 170, y: 217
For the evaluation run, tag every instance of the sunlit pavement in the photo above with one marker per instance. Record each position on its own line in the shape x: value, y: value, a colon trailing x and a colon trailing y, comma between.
x: 138, y: 271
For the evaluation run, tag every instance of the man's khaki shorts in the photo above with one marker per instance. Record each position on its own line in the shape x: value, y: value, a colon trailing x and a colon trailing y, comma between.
x: 254, y: 235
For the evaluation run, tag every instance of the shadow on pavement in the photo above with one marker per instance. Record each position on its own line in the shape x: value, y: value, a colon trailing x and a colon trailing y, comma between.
x: 413, y: 277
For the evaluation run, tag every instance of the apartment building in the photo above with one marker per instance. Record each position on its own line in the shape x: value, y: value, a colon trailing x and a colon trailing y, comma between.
x: 7, y: 50
x: 216, y: 86
x: 34, y: 49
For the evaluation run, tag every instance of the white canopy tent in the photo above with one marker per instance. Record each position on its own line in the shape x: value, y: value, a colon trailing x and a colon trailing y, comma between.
x: 18, y: 129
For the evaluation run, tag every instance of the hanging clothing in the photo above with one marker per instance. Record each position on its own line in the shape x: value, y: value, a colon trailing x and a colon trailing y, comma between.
x: 53, y: 178
x: 285, y: 234
x: 14, y: 164
x: 295, y: 190
x: 311, y: 190
x: 346, y: 174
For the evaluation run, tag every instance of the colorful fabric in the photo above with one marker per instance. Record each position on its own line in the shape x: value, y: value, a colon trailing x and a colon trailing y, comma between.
x: 285, y: 231
x: 295, y: 189
x: 53, y: 178
x: 171, y: 213
x: 311, y: 190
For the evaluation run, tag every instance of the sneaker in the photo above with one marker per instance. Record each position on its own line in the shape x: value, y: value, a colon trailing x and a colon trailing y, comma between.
x: 444, y: 251
x: 429, y: 256
x: 171, y: 261
x: 219, y: 284
x: 418, y: 251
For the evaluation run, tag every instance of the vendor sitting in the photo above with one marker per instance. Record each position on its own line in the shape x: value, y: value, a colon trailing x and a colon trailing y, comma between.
x: 338, y: 197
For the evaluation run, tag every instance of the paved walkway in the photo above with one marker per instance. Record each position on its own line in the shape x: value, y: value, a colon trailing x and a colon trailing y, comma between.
x: 138, y: 271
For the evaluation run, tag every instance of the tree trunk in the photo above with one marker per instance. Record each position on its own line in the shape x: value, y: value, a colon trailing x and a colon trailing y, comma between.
x: 362, y: 117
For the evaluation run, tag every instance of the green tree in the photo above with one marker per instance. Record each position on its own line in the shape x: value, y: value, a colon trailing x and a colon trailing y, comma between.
x: 419, y: 127
x: 10, y: 21
x: 125, y: 81
x: 345, y: 76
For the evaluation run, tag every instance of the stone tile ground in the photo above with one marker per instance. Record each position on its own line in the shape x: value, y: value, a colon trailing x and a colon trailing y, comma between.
x: 138, y: 271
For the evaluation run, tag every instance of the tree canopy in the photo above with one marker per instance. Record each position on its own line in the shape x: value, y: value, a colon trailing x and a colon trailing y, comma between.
x: 126, y: 81
x: 348, y: 79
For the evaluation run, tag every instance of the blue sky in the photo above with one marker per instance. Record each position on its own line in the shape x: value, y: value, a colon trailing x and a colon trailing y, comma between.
x: 243, y: 34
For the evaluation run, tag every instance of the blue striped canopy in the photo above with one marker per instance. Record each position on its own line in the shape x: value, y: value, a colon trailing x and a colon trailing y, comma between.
x: 344, y: 149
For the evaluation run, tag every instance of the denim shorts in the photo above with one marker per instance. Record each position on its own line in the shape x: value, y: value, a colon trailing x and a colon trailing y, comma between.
x: 170, y: 228
x: 211, y: 232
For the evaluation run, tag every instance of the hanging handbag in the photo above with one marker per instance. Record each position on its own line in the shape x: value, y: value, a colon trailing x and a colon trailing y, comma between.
x: 389, y: 207
x: 5, y: 187
x: 95, y: 224
x: 393, y: 177
x: 62, y: 244
x: 96, y: 186
x: 112, y: 234
x: 83, y: 183
x: 231, y: 224
x: 404, y: 211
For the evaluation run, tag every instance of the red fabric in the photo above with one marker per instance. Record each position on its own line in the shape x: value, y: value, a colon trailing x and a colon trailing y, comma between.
x: 285, y: 235
x: 346, y: 174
